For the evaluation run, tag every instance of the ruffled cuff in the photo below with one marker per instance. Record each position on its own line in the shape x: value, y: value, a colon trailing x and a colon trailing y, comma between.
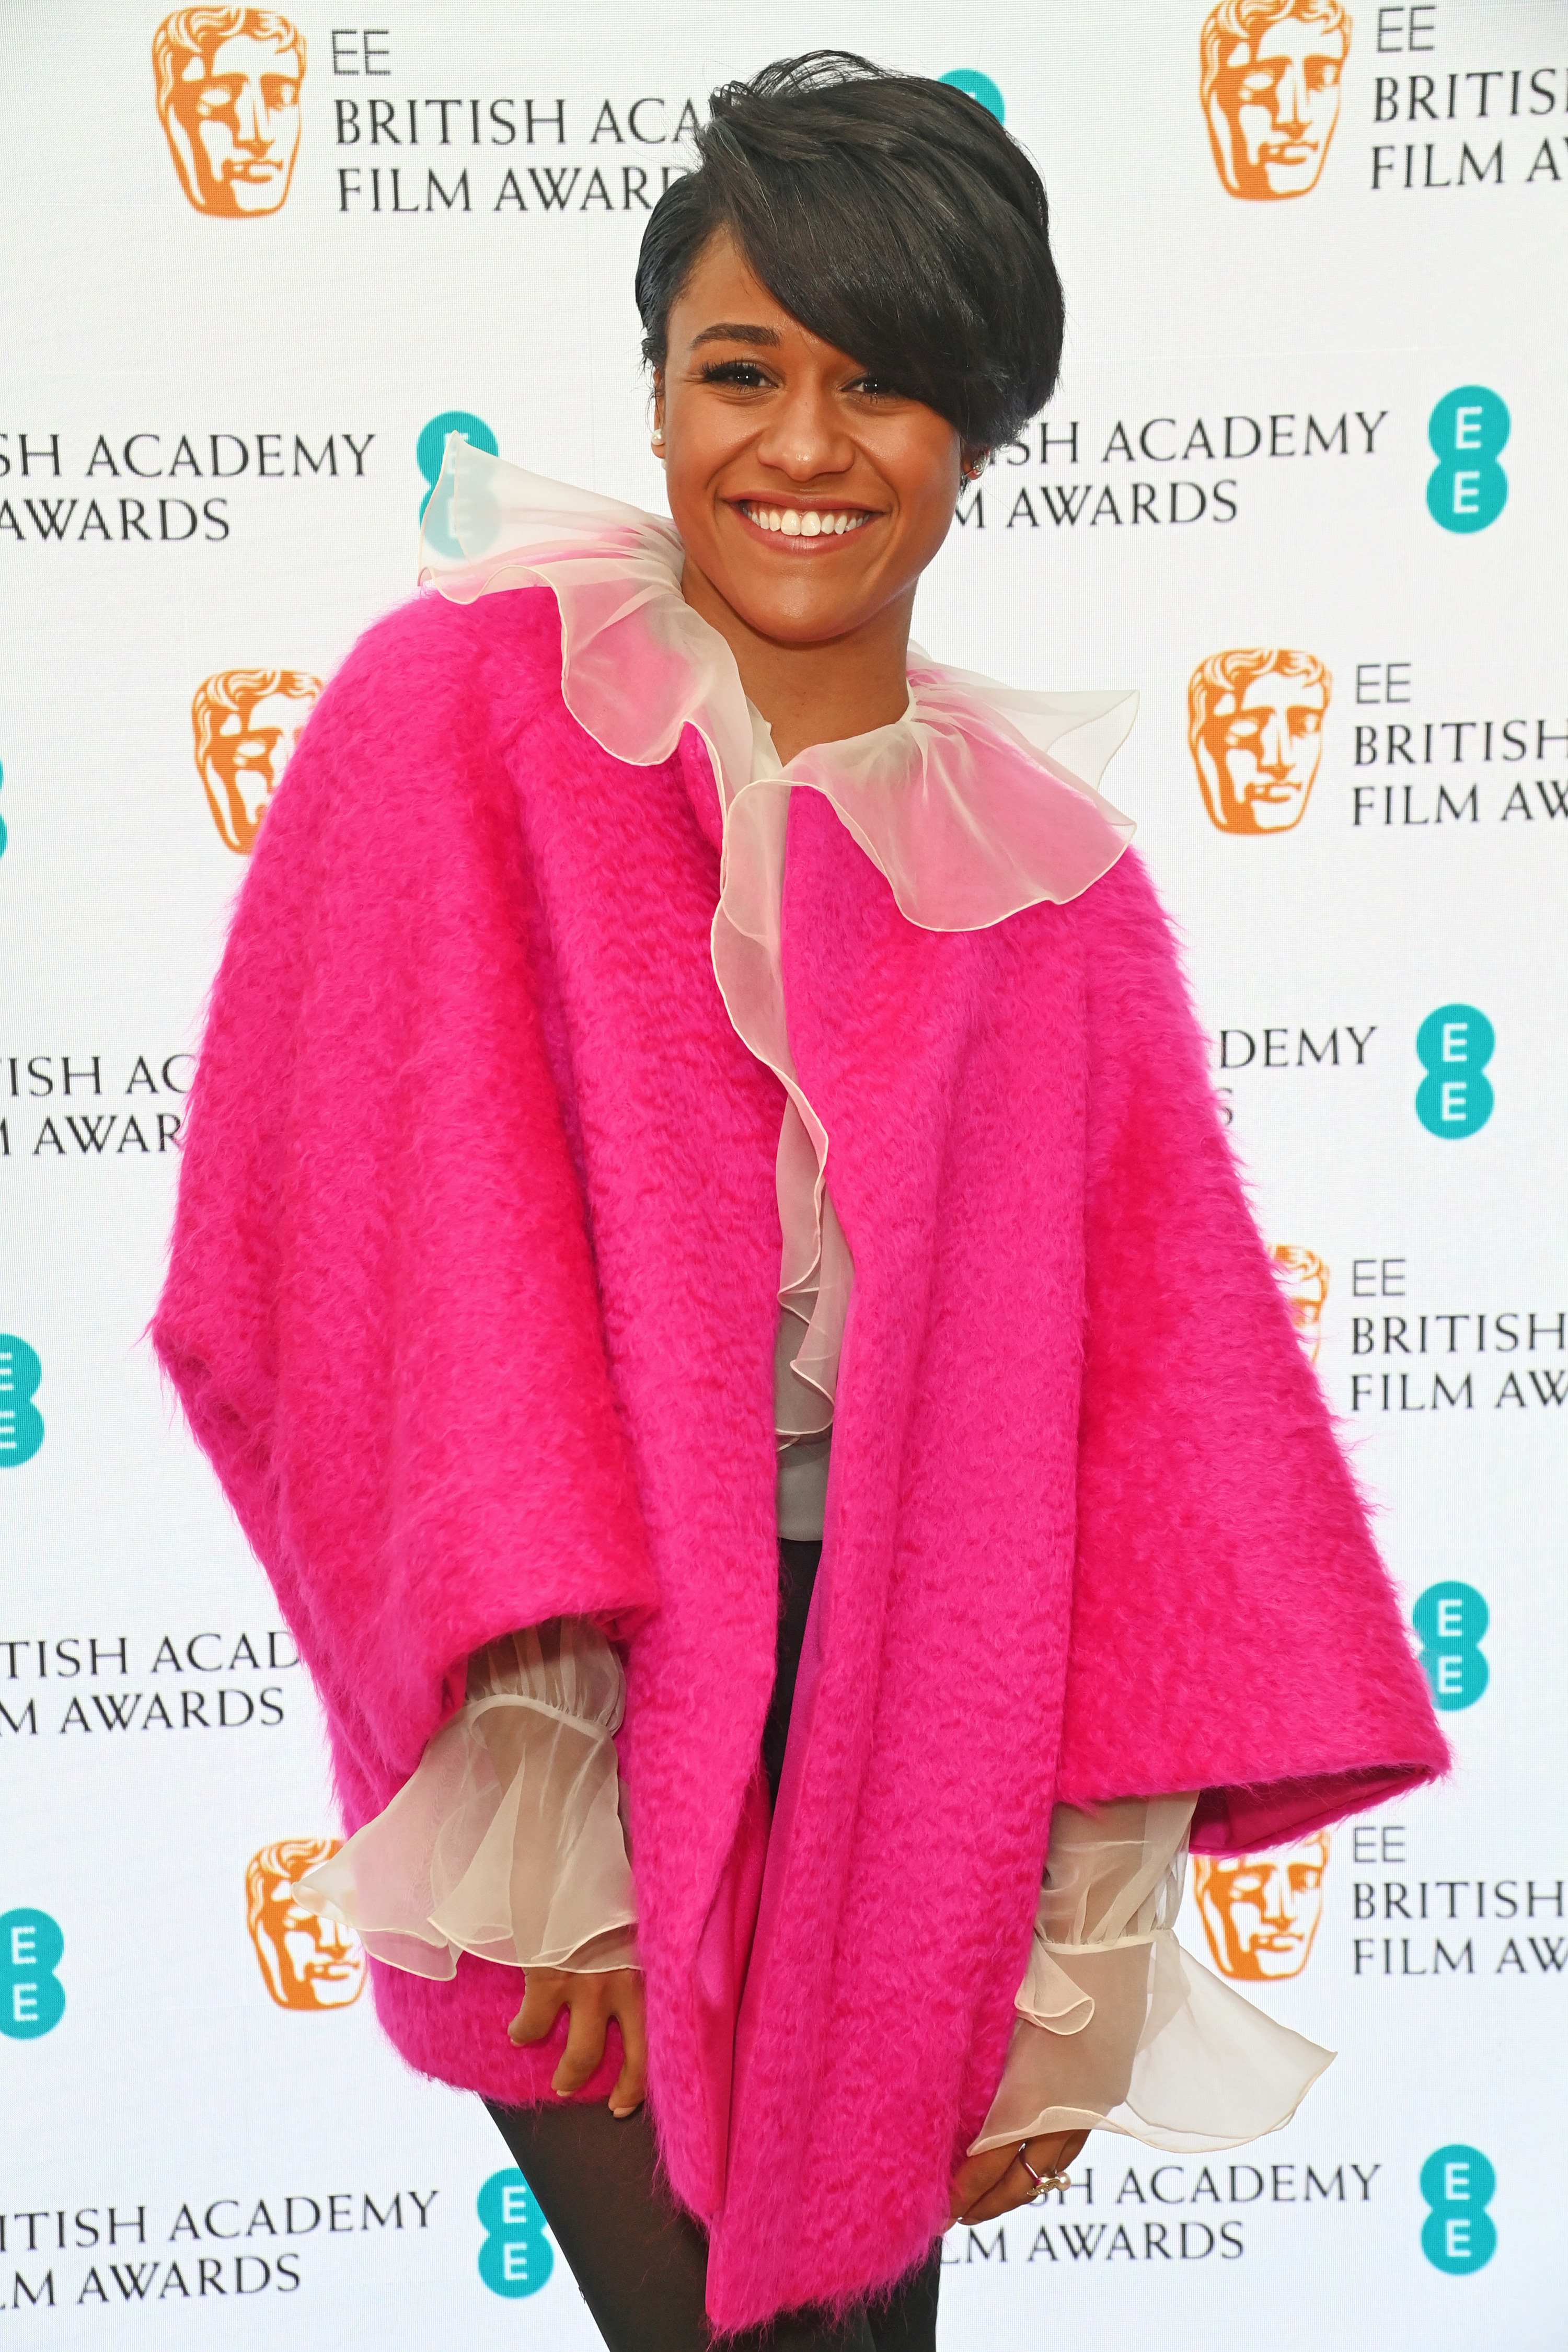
x: 1118, y: 2028
x: 507, y: 1841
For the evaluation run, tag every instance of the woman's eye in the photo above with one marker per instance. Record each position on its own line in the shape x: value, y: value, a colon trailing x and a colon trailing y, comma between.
x: 873, y: 387
x: 741, y: 371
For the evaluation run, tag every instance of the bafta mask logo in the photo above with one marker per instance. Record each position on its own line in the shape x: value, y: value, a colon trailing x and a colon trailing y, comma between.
x: 1304, y: 1279
x: 306, y: 1962
x: 246, y: 723
x: 228, y: 99
x: 1261, y: 1911
x: 1270, y: 91
x: 1254, y: 722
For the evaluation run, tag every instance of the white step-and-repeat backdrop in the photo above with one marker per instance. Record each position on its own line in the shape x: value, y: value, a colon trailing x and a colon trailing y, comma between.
x: 1306, y: 486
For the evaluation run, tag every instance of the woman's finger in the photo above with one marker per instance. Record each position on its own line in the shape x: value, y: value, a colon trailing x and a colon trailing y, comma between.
x: 974, y: 2180
x: 629, y: 2011
x: 544, y: 1995
x: 1013, y: 2187
x: 1054, y: 2151
x: 584, y: 2048
x: 998, y: 2181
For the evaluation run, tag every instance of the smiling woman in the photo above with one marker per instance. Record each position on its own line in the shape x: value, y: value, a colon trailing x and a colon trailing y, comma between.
x: 809, y: 497
x: 796, y: 1483
x: 845, y: 309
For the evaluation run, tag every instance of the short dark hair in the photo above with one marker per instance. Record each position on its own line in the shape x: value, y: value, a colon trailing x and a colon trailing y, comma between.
x: 892, y: 215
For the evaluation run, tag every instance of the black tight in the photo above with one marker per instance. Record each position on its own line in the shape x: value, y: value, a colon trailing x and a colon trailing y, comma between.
x: 641, y: 2262
x: 797, y: 1575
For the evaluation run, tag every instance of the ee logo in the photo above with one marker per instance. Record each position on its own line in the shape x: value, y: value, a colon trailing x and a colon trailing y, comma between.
x: 429, y: 451
x: 1454, y: 1046
x: 32, y: 1998
x: 516, y: 2257
x: 980, y: 87
x: 1467, y: 490
x: 1452, y: 1619
x: 1458, y: 2234
x: 1, y: 819
x: 21, y: 1423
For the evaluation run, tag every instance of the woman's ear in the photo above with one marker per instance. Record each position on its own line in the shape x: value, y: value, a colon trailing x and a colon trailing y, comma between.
x: 658, y: 433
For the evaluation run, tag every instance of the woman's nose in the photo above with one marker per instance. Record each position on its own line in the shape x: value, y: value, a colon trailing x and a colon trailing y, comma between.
x: 803, y: 439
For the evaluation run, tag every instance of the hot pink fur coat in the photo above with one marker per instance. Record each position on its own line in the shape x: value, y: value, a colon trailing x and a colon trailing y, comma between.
x: 472, y: 1303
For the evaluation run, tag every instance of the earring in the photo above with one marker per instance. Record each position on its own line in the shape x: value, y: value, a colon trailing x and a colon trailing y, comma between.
x: 658, y: 436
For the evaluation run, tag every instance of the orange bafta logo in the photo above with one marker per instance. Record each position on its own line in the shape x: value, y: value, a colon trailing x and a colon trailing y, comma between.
x: 1254, y: 722
x: 306, y: 1962
x: 1261, y: 1911
x: 1304, y: 1278
x: 1270, y: 89
x: 246, y: 723
x: 228, y: 99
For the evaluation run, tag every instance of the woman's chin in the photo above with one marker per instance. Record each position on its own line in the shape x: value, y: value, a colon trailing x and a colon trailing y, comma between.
x: 801, y: 619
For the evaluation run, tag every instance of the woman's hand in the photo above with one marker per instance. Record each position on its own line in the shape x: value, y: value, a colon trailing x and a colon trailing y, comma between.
x: 592, y: 2000
x: 995, y: 2181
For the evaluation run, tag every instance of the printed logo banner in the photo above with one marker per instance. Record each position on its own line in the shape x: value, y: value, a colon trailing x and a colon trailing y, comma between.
x: 1304, y: 485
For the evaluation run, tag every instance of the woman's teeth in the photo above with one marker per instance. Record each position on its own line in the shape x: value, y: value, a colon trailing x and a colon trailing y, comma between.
x: 795, y: 523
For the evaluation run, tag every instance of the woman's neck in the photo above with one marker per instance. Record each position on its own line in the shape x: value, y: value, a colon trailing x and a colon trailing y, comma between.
x: 816, y: 693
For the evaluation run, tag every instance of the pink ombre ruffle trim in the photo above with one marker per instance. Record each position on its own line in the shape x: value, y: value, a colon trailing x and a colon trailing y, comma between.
x: 978, y: 801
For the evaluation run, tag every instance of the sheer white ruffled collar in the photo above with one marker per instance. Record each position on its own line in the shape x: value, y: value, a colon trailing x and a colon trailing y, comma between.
x: 979, y: 801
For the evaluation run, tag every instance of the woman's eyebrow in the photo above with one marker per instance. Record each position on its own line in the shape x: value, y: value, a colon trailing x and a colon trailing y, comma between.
x: 728, y: 332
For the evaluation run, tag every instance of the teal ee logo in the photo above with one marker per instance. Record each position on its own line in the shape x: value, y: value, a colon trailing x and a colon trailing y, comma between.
x: 32, y: 1998
x: 1454, y: 1046
x: 516, y: 2257
x: 1467, y: 490
x: 1, y: 819
x: 1458, y: 2234
x: 980, y: 87
x: 428, y: 451
x: 1452, y: 1619
x: 21, y: 1423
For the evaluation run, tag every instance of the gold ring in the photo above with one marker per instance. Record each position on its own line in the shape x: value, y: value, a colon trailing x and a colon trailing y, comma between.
x: 1044, y: 2181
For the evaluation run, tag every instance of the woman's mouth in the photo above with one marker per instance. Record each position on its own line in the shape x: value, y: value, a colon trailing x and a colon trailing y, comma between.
x: 803, y: 522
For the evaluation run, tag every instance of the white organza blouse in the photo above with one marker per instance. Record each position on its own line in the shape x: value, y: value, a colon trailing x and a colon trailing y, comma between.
x: 507, y: 1841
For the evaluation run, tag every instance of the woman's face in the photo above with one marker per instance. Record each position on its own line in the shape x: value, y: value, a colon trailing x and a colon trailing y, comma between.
x: 807, y: 494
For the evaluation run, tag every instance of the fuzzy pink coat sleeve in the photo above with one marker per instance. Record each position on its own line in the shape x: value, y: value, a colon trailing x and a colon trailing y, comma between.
x: 393, y: 1353
x: 1233, y: 1629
